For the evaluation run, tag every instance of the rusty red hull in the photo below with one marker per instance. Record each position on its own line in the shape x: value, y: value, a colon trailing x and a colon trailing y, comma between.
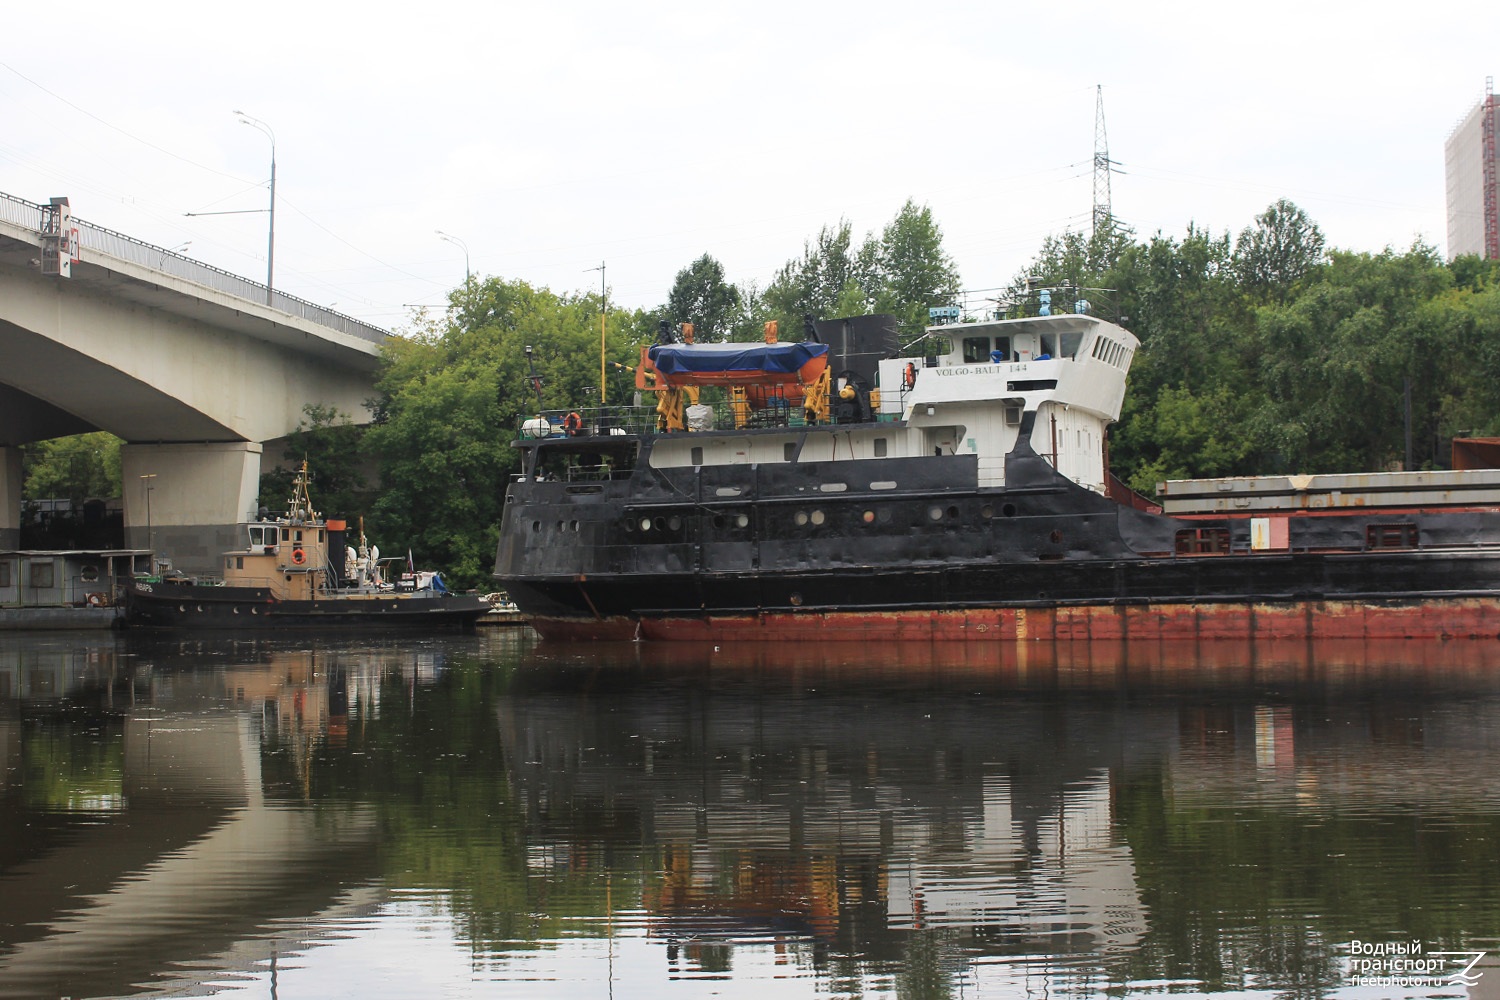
x: 1433, y: 618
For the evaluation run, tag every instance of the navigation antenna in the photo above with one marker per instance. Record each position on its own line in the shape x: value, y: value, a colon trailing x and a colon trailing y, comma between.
x: 1103, y: 218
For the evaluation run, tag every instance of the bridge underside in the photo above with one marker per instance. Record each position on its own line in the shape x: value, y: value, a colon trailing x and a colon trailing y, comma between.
x: 193, y: 378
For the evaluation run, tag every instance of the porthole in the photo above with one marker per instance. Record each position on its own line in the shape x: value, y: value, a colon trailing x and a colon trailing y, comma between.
x: 630, y: 524
x: 935, y: 513
x: 868, y: 517
x: 659, y: 523
x: 953, y: 513
x: 235, y: 610
x: 198, y: 608
x: 674, y: 522
x: 182, y: 609
x: 742, y: 521
x: 1055, y: 536
x: 1009, y: 510
x: 561, y: 526
x: 818, y: 517
x: 573, y: 525
x: 800, y: 517
x: 645, y: 524
x: 255, y: 611
x: 796, y: 600
x: 986, y: 512
x: 884, y: 514
x: 536, y: 525
x: 718, y: 520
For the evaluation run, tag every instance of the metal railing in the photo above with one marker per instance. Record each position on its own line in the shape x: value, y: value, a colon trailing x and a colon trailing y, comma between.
x: 28, y: 215
x: 643, y: 420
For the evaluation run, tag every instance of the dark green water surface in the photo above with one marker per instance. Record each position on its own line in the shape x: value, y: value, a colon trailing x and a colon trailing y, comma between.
x: 486, y: 816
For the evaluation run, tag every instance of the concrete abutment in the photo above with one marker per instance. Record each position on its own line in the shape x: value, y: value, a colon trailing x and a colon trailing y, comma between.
x: 187, y: 501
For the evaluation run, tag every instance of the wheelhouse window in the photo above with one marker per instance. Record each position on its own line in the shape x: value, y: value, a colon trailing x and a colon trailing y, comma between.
x: 976, y: 350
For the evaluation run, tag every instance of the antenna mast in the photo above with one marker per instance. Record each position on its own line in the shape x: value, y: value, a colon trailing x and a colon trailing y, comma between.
x: 1102, y: 163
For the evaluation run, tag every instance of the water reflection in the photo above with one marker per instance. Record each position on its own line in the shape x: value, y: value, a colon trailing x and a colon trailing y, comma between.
x: 476, y: 815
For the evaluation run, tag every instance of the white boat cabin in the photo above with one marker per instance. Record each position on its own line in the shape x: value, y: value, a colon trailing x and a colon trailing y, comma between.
x: 966, y: 394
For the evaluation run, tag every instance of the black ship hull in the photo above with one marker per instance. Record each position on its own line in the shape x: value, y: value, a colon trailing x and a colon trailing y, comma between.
x: 737, y: 553
x: 170, y: 605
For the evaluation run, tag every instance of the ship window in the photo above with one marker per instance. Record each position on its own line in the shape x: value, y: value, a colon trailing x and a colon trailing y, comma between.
x: 1202, y: 541
x: 976, y: 350
x: 727, y: 491
x: 5, y: 573
x: 229, y: 562
x: 1049, y: 346
x: 1070, y: 344
x: 883, y: 484
x: 1391, y: 536
x: 1031, y: 384
x: 697, y: 456
x: 286, y: 534
x: 880, y: 447
x: 789, y: 451
x: 42, y: 574
x: 833, y: 487
x: 239, y: 562
x: 1002, y: 349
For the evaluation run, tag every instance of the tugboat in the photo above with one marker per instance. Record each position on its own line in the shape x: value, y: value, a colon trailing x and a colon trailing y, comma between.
x: 848, y: 488
x: 297, y: 571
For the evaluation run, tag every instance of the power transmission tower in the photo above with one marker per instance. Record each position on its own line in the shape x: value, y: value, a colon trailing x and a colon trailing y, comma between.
x: 1102, y: 165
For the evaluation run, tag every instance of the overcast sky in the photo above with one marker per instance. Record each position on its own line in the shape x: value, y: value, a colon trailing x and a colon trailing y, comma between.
x: 551, y: 137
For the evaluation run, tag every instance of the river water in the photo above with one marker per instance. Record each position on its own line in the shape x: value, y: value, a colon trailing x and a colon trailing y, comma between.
x: 484, y: 815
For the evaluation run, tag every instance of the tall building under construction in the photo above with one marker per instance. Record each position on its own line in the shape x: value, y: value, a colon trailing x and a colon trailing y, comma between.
x: 1473, y: 199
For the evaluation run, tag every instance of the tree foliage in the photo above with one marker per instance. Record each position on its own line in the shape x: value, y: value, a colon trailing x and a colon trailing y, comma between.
x: 75, y: 468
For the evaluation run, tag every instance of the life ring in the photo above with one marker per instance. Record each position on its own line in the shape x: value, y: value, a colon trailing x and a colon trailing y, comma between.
x: 96, y: 600
x: 910, y: 377
x: 573, y: 424
x: 298, y: 557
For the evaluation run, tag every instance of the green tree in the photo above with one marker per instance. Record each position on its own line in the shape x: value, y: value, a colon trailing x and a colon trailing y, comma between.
x: 702, y: 297
x: 333, y: 448
x: 74, y: 468
x: 1281, y: 247
x: 451, y: 399
x: 911, y: 270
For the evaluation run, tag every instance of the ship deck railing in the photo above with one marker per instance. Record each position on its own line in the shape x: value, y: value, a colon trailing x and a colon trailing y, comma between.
x: 644, y: 421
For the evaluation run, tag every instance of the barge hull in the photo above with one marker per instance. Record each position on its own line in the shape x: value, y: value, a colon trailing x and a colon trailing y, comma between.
x: 1425, y: 618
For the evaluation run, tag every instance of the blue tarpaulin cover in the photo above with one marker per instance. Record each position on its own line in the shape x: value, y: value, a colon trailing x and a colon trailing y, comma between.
x: 681, y: 359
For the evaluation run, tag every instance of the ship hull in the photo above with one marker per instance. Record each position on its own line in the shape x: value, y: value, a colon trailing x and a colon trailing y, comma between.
x: 1425, y: 618
x: 647, y: 559
x: 194, y: 607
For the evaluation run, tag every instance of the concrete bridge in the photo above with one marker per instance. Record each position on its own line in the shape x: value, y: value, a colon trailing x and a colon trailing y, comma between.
x: 195, y: 368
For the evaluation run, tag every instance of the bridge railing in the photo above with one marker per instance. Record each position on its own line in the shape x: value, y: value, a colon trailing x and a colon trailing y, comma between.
x: 28, y: 215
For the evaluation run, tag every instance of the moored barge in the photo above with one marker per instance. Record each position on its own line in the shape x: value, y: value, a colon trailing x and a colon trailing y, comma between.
x: 846, y: 488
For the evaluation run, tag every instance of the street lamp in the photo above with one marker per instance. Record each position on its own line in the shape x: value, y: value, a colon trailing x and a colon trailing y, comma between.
x: 150, y: 534
x: 603, y: 311
x: 256, y: 123
x: 461, y: 245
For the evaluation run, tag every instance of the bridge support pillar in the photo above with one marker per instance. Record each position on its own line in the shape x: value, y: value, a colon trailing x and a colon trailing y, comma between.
x: 10, y: 498
x: 186, y: 501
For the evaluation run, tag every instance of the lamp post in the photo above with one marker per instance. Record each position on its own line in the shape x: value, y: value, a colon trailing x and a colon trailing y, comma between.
x: 603, y: 311
x: 461, y: 245
x: 150, y: 534
x: 256, y: 123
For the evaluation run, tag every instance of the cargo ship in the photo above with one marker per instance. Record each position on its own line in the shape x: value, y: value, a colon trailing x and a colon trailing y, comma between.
x: 847, y: 487
x: 296, y: 571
